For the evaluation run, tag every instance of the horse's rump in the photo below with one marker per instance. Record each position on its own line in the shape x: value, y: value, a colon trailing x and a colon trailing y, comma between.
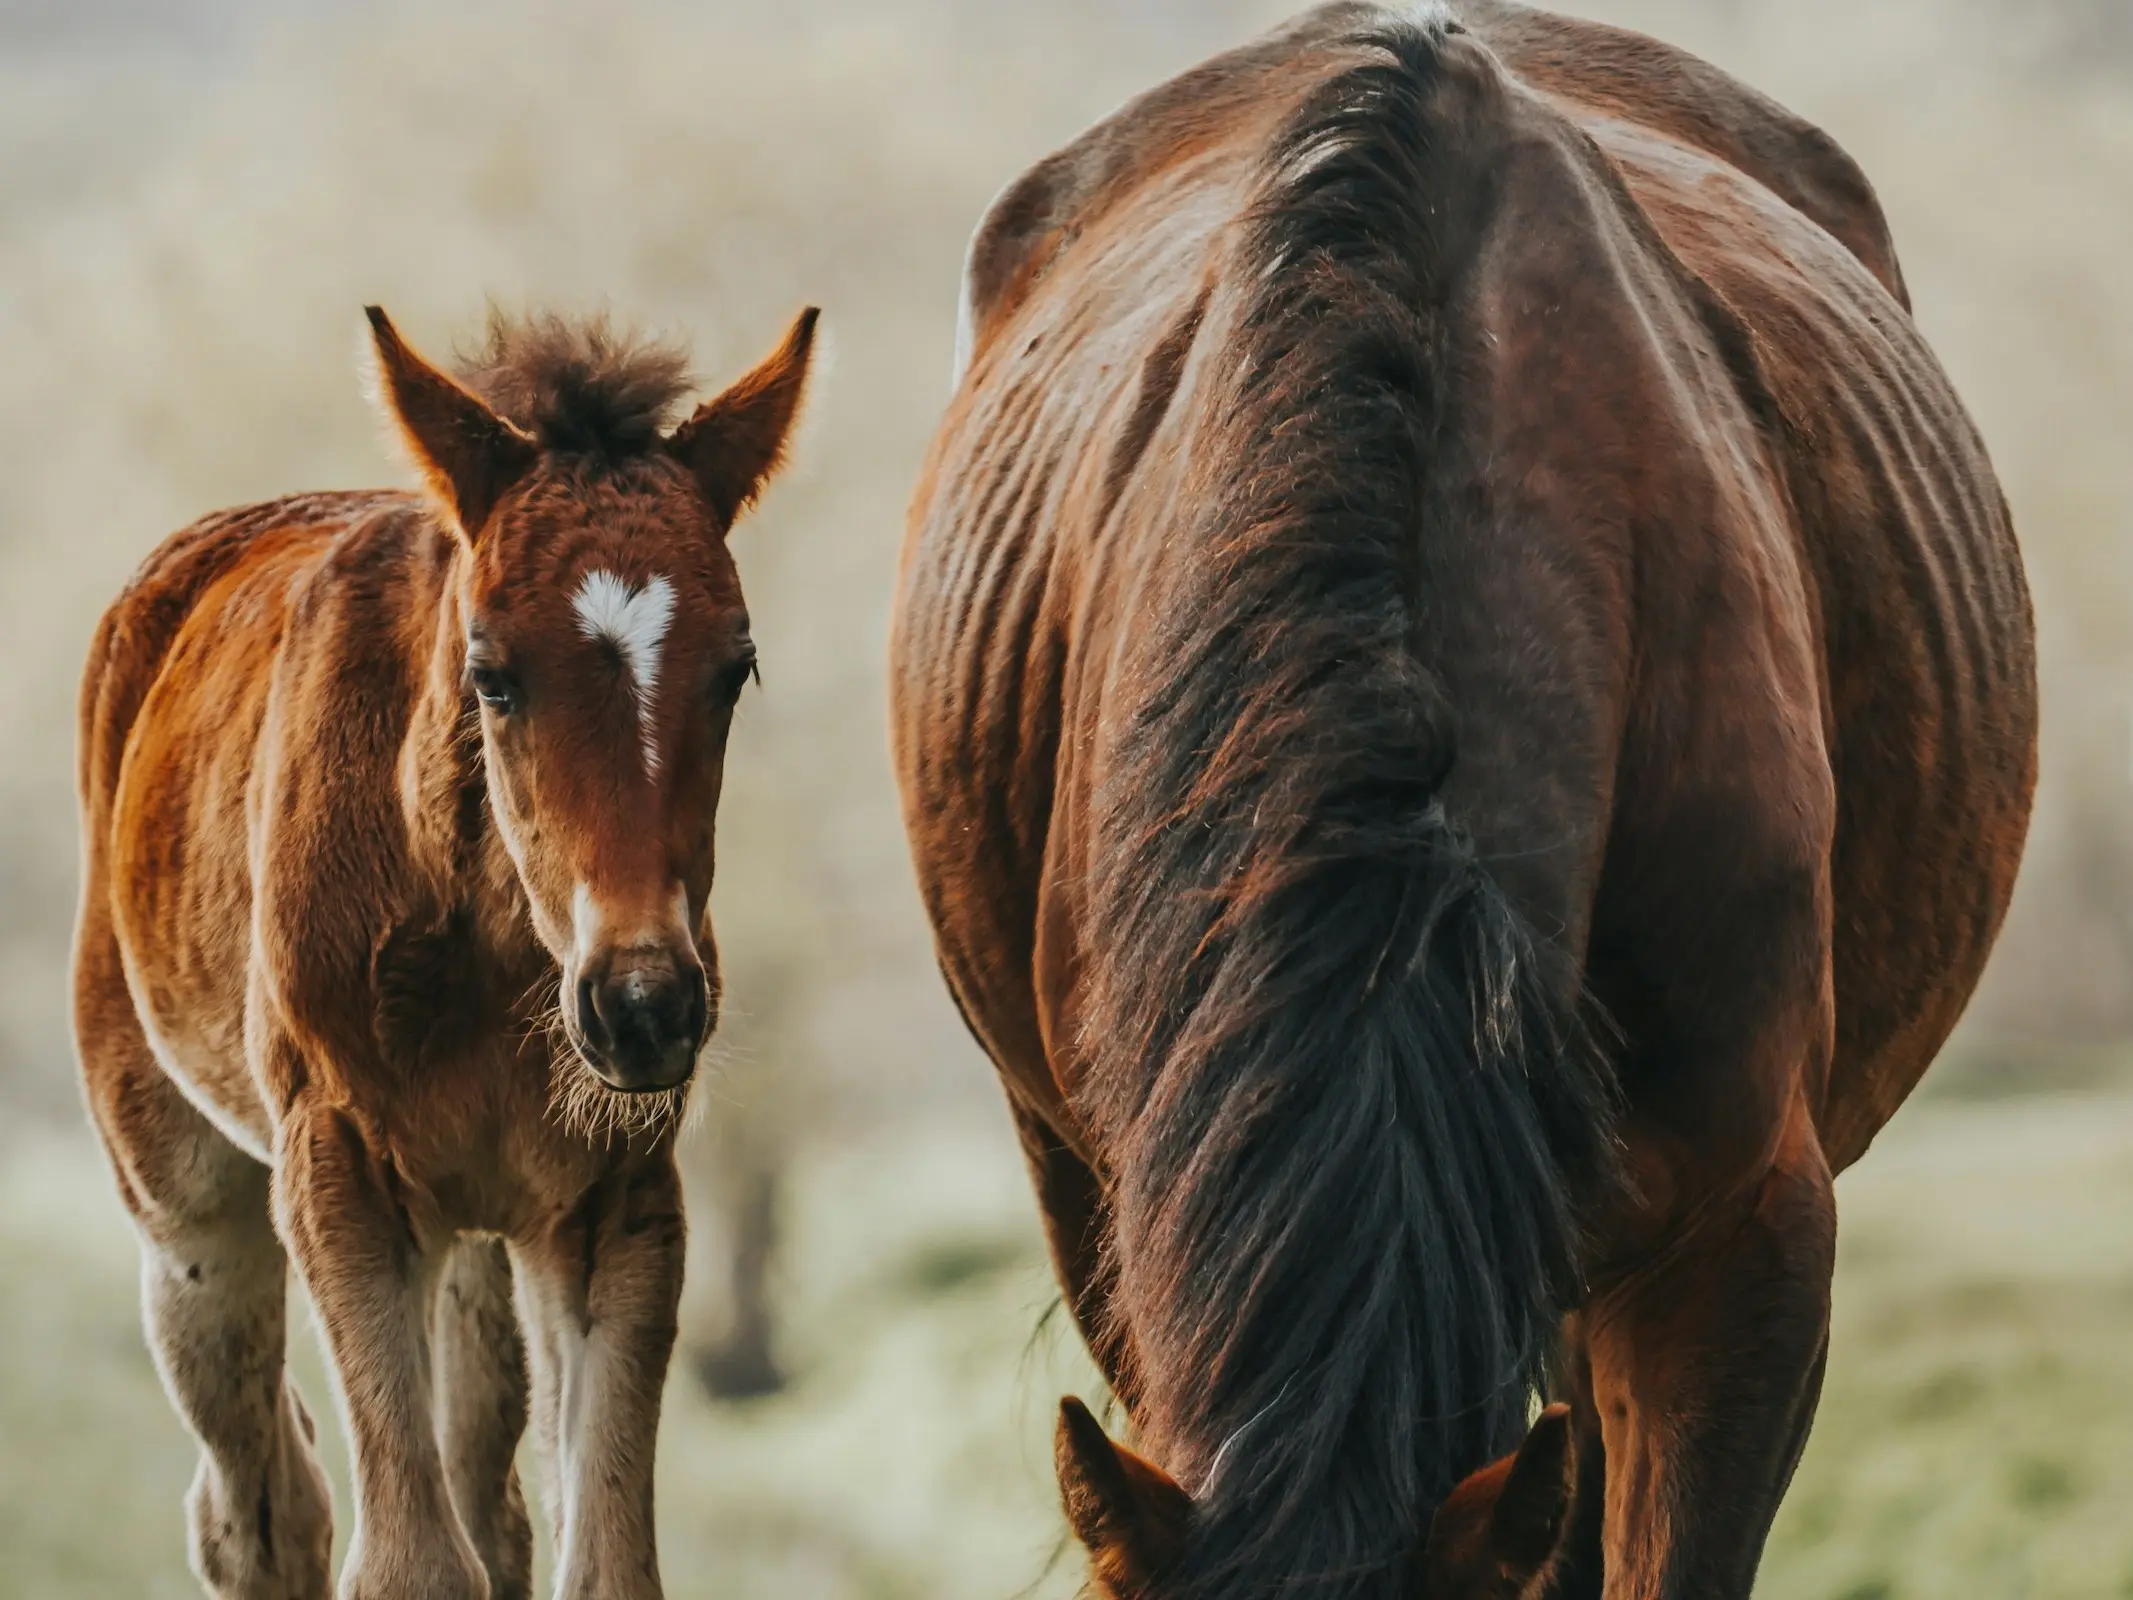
x: 1238, y: 98
x: 1656, y: 86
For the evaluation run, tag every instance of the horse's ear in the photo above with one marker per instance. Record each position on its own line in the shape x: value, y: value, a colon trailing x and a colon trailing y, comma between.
x: 1530, y: 1514
x: 469, y: 457
x: 1501, y: 1527
x: 1127, y: 1510
x: 736, y: 443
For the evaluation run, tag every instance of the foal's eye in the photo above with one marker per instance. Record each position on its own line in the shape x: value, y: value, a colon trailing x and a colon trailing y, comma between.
x: 495, y: 688
x: 726, y: 690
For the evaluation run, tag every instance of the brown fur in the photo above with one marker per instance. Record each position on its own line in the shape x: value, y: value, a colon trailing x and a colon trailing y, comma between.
x: 1464, y: 697
x: 329, y: 903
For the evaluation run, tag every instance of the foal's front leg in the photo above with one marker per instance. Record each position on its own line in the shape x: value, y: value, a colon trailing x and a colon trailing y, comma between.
x: 337, y: 1201
x: 599, y: 1292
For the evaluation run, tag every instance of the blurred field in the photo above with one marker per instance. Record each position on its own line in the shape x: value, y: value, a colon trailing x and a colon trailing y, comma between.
x: 1972, y: 1443
x: 197, y: 195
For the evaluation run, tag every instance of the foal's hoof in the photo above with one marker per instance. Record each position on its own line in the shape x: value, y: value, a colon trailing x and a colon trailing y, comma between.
x: 739, y: 1374
x: 275, y: 1547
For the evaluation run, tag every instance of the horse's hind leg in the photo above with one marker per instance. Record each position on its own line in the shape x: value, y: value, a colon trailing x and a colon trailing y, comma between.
x: 1706, y: 1369
x: 481, y: 1411
x: 214, y: 1294
x: 1076, y: 1230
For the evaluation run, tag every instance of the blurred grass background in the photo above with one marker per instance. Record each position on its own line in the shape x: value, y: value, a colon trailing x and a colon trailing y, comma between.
x: 197, y: 195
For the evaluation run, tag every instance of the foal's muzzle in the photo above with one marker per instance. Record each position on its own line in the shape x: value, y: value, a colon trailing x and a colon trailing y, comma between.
x: 641, y: 1019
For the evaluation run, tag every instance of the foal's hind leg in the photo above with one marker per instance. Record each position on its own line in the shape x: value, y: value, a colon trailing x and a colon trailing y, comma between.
x: 213, y: 1290
x: 341, y: 1205
x: 481, y: 1411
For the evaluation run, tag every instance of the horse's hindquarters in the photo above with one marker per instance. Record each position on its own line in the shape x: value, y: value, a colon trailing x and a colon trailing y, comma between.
x: 1922, y: 639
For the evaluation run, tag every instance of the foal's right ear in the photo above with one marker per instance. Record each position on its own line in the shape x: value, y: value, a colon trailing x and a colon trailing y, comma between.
x: 469, y: 457
x: 1129, y: 1512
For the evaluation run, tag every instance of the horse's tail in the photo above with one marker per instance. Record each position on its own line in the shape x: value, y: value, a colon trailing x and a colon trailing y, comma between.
x: 1338, y: 1081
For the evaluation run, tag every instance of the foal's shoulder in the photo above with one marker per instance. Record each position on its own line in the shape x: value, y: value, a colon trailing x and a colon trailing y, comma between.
x: 369, y: 583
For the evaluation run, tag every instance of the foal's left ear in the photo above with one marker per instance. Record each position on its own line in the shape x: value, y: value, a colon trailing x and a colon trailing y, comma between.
x: 736, y: 443
x: 468, y: 455
x: 1128, y: 1511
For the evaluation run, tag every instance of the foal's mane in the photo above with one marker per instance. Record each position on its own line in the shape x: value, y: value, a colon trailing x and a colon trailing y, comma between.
x: 579, y: 385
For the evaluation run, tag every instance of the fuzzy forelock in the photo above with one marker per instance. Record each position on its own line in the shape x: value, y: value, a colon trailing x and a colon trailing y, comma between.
x: 578, y: 384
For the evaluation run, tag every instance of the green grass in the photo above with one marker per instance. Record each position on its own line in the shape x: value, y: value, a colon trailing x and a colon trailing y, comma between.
x: 1971, y: 1445
x: 1971, y: 1441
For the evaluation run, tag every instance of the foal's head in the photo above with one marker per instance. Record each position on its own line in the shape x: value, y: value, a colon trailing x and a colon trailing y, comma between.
x: 606, y: 643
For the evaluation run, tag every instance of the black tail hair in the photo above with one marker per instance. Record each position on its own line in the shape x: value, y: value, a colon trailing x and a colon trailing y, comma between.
x: 1341, y: 1085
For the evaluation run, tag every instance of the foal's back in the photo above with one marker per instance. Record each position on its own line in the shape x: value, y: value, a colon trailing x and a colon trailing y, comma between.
x: 181, y: 704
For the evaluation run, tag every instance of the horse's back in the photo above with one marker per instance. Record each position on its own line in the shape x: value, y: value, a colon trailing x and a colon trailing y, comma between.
x: 1589, y: 66
x: 183, y: 584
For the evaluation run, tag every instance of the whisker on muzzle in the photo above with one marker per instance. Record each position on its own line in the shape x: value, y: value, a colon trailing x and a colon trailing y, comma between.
x: 585, y: 1108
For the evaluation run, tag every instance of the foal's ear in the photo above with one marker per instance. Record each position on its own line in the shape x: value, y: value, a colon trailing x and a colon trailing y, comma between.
x: 1127, y: 1510
x: 1499, y: 1529
x: 468, y: 455
x: 736, y: 443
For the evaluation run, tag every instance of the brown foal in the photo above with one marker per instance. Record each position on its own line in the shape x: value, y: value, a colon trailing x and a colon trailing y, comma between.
x: 394, y: 955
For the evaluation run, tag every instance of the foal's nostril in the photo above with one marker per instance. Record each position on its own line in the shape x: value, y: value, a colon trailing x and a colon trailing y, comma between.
x: 590, y: 1023
x: 696, y: 1022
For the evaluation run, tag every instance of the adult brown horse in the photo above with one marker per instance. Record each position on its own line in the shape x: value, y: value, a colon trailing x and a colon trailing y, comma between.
x: 1464, y: 696
x: 366, y: 780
